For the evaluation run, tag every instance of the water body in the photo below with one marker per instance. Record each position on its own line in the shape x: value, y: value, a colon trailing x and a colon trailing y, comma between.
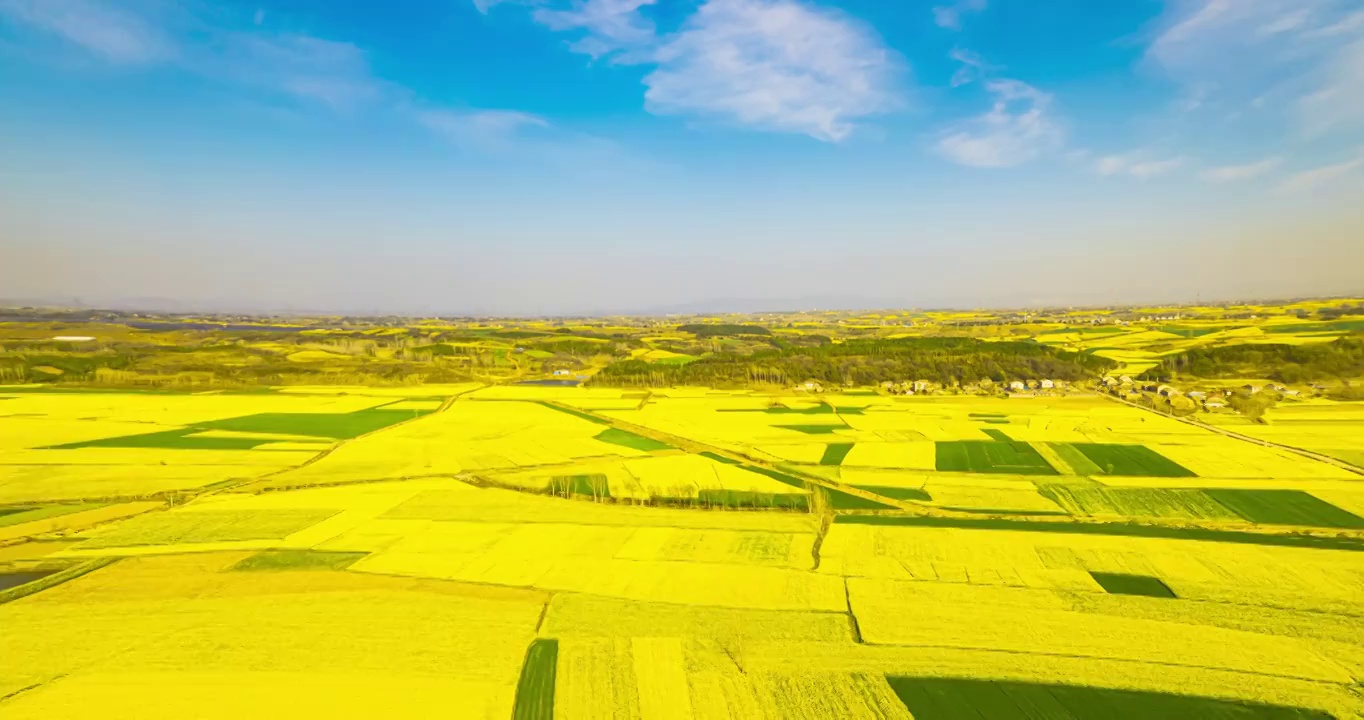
x: 552, y: 383
x: 12, y: 580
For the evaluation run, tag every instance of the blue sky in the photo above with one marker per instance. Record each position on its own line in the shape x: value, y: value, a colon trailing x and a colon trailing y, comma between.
x: 567, y: 156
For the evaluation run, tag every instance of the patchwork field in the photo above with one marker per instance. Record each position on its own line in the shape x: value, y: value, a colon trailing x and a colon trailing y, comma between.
x: 555, y: 552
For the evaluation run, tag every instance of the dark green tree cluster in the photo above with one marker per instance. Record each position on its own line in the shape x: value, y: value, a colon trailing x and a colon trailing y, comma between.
x: 1342, y: 358
x: 722, y: 329
x: 867, y: 362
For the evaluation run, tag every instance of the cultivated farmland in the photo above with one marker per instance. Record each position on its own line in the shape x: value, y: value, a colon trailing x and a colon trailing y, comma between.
x: 489, y: 549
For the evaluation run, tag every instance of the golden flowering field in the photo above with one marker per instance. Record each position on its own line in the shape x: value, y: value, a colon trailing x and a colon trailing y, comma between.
x: 532, y: 552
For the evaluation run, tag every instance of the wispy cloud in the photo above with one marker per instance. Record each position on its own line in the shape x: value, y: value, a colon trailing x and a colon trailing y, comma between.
x: 1247, y: 171
x: 1018, y: 128
x: 334, y: 74
x: 237, y: 51
x: 1322, y: 178
x: 949, y: 16
x: 610, y: 25
x: 479, y: 127
x: 103, y: 29
x: 1337, y: 103
x: 1236, y: 51
x: 973, y: 67
x: 773, y: 64
x: 1136, y: 165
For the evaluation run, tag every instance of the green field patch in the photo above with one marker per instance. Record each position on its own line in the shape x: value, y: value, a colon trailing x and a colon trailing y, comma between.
x: 834, y: 453
x: 780, y: 477
x: 575, y: 413
x: 1131, y: 460
x: 1122, y: 584
x: 1077, y: 460
x: 297, y: 560
x: 988, y: 416
x: 997, y: 435
x: 28, y: 513
x: 963, y: 699
x: 1188, y: 331
x: 183, y: 439
x: 1350, y: 544
x: 812, y: 429
x: 592, y: 485
x: 625, y: 438
x: 991, y: 456
x: 170, y: 528
x: 840, y: 500
x: 1330, y: 326
x: 898, y: 493
x: 1285, y: 507
x: 535, y: 690
x: 677, y: 360
x: 1170, y: 503
x: 719, y: 458
x: 745, y: 499
x: 820, y: 409
x: 336, y: 426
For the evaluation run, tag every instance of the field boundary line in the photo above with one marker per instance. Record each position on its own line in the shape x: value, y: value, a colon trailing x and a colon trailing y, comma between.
x: 1158, y: 663
x: 1237, y: 436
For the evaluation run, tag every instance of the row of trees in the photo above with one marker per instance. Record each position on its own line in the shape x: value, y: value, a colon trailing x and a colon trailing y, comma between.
x: 867, y: 362
x: 1343, y: 358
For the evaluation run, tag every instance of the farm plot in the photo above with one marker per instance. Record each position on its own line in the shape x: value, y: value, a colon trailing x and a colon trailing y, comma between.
x: 171, y: 528
x: 154, y: 637
x: 1130, y: 460
x: 897, y: 455
x: 1024, y: 620
x: 1180, y: 503
x: 990, y: 456
x: 571, y: 615
x: 1285, y: 507
x: 951, y: 698
x: 469, y: 436
x: 1227, y: 458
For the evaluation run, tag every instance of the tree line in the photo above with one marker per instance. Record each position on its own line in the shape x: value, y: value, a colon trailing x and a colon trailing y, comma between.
x: 867, y: 362
x: 1343, y: 358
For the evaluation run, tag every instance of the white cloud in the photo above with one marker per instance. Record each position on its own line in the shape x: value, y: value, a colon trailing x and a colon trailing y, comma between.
x: 231, y: 50
x: 611, y: 25
x: 773, y: 64
x: 1338, y: 101
x: 1136, y: 165
x: 101, y: 28
x: 1319, y: 178
x: 1240, y: 50
x: 949, y: 16
x: 485, y: 5
x: 335, y: 74
x: 973, y: 66
x: 1018, y: 128
x: 479, y: 127
x: 1248, y: 171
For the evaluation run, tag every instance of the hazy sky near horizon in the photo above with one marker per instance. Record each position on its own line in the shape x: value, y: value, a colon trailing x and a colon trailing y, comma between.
x: 568, y: 156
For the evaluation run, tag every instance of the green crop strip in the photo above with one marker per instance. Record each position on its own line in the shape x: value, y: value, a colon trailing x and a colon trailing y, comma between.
x: 535, y: 691
x: 625, y: 438
x: 954, y: 698
x: 834, y: 453
x: 1114, y: 529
